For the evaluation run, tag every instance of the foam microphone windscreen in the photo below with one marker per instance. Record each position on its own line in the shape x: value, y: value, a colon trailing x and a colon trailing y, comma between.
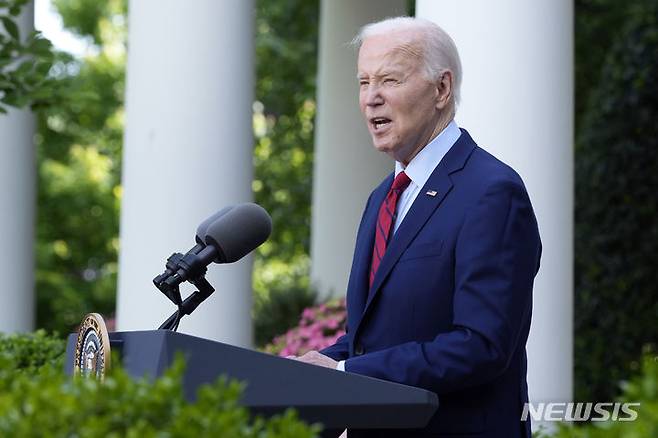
x: 202, y: 229
x: 239, y: 231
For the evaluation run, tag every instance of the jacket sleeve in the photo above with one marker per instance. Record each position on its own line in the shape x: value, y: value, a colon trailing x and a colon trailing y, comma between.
x: 496, y: 258
x: 338, y: 351
x: 341, y: 349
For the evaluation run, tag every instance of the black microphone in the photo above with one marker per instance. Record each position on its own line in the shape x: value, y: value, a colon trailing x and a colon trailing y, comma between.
x: 203, y: 226
x: 225, y: 237
x: 228, y: 238
x: 239, y: 232
x: 174, y: 261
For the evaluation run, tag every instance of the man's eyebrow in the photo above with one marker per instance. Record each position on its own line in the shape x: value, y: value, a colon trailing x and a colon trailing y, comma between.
x: 392, y: 71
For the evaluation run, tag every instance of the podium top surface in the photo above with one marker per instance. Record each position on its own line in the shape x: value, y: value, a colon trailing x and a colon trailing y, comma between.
x: 335, y: 398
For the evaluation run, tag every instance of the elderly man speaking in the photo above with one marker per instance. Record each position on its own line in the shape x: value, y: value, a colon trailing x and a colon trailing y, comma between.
x: 440, y: 291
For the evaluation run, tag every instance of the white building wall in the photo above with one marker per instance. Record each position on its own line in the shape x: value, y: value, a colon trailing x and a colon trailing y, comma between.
x: 187, y: 153
x: 17, y: 201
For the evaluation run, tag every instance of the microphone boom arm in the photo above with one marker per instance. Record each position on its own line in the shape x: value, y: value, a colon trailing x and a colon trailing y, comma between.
x: 190, y: 304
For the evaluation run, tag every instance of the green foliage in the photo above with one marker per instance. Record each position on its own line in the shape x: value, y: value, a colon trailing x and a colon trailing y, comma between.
x: 29, y: 352
x: 641, y: 389
x: 596, y: 26
x: 279, y: 307
x: 25, y: 61
x: 79, y: 163
x: 92, y: 18
x: 45, y: 403
x: 286, y: 58
x: 616, y: 303
x: 286, y: 62
x: 79, y: 153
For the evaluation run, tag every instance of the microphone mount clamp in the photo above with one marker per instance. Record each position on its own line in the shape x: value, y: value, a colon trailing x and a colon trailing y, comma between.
x: 169, y: 284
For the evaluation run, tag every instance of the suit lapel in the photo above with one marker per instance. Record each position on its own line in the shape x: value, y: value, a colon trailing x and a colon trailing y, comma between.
x: 421, y: 210
x: 366, y: 242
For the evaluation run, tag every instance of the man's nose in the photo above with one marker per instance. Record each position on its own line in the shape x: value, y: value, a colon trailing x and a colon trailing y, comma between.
x: 373, y: 96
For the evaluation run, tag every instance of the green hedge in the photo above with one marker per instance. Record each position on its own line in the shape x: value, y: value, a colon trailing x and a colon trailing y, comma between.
x: 642, y: 389
x: 278, y: 309
x: 30, y: 352
x: 38, y: 400
x: 616, y: 217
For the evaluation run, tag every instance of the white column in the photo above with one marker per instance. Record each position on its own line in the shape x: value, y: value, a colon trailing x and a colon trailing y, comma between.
x: 187, y: 153
x: 517, y: 102
x: 17, y: 198
x: 346, y: 165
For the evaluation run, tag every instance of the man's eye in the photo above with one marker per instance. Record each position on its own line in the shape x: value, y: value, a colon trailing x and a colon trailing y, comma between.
x: 362, y: 83
x: 390, y: 81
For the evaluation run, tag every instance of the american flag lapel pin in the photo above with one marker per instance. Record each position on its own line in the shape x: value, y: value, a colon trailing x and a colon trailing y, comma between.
x: 431, y: 192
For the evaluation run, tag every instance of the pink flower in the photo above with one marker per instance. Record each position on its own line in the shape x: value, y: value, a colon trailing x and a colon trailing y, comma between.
x: 319, y: 327
x: 332, y: 324
x: 308, y: 314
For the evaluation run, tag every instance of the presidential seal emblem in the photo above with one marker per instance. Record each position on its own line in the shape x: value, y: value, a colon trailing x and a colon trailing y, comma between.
x: 92, y: 349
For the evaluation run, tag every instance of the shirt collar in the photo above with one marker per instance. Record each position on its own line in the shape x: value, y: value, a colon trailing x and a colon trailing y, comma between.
x: 423, y: 164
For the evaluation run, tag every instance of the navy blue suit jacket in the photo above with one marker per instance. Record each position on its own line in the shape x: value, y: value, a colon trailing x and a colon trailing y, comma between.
x: 449, y: 309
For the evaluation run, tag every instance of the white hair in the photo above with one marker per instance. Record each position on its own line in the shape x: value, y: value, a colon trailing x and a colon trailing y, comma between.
x: 439, y: 50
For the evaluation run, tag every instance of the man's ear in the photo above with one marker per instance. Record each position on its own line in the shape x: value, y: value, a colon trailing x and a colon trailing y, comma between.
x: 444, y: 89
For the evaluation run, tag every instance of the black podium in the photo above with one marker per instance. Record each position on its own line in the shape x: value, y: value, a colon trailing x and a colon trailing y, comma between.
x: 336, y: 399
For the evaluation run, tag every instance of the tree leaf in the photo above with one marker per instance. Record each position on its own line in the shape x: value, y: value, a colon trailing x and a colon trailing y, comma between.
x: 11, y: 27
x: 42, y: 68
x: 15, y: 9
x: 24, y: 68
x: 40, y: 46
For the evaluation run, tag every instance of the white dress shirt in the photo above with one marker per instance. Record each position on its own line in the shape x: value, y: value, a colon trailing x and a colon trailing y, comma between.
x: 421, y: 167
x: 419, y: 170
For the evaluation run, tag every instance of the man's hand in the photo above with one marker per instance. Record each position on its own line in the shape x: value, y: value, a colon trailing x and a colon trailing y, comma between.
x: 315, y: 358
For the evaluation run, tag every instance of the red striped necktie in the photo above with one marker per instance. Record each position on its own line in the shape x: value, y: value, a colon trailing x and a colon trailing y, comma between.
x: 385, y: 221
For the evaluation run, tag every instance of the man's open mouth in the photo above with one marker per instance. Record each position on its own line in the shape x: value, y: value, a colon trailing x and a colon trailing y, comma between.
x: 379, y: 122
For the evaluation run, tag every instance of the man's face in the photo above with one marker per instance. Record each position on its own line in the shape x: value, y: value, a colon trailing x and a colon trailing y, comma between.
x: 401, y: 106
